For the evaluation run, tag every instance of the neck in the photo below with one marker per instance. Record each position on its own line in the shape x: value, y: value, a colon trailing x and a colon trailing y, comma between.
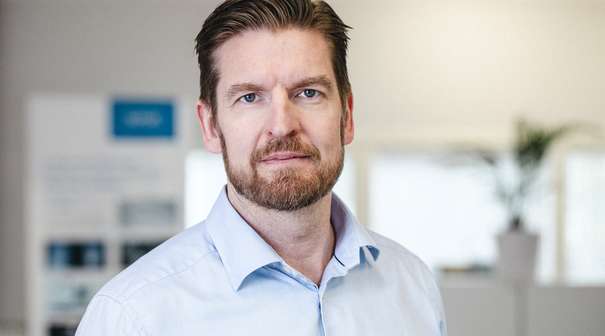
x: 303, y: 238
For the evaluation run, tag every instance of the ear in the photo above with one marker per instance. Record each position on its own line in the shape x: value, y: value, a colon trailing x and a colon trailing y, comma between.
x: 209, y: 126
x: 349, y: 129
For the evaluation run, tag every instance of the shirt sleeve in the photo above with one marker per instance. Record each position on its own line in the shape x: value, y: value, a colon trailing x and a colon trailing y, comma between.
x: 107, y: 316
x: 435, y: 295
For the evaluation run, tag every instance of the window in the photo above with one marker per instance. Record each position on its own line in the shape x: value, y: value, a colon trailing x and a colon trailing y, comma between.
x: 585, y: 216
x: 447, y: 214
x: 204, y: 178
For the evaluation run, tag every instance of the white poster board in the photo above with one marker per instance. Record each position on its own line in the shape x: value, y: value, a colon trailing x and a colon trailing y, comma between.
x: 105, y: 184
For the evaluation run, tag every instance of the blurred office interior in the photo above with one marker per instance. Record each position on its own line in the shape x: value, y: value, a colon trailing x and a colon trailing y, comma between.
x: 435, y: 83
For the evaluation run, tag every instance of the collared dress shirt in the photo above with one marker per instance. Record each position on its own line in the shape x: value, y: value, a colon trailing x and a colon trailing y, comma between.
x: 220, y: 277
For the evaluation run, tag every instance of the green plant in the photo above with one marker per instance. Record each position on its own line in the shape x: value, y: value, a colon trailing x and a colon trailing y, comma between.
x: 531, y: 146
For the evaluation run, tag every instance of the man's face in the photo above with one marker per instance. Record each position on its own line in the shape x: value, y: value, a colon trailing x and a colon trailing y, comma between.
x: 278, y: 117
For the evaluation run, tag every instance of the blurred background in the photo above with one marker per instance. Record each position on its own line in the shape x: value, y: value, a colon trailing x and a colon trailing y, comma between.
x: 101, y: 157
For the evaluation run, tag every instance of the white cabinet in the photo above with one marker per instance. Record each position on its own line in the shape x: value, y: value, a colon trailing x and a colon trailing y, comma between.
x: 479, y: 308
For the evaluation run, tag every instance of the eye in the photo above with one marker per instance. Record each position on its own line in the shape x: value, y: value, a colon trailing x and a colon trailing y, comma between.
x: 310, y: 93
x: 248, y: 98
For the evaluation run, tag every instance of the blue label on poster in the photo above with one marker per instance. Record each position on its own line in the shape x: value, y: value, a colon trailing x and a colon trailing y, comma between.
x: 142, y: 119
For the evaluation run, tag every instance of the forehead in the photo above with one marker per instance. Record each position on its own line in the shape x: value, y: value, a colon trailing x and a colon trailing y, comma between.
x: 273, y: 57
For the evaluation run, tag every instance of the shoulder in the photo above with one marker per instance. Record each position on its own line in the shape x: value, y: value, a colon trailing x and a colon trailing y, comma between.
x: 153, y: 287
x: 395, y: 252
x: 396, y: 257
x: 175, y: 256
x: 410, y: 272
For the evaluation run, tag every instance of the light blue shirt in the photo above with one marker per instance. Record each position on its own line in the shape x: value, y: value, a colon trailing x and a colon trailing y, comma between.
x: 220, y: 277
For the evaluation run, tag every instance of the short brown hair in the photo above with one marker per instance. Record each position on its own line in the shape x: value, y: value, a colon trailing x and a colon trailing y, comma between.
x: 236, y: 16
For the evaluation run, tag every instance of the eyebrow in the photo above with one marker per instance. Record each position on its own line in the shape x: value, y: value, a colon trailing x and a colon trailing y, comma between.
x: 317, y: 80
x: 235, y: 89
x: 321, y: 80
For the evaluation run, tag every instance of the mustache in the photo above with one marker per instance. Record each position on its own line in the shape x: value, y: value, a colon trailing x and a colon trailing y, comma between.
x: 286, y: 144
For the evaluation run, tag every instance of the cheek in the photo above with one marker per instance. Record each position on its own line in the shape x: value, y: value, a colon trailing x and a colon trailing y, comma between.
x: 327, y: 130
x: 327, y: 140
x: 239, y: 144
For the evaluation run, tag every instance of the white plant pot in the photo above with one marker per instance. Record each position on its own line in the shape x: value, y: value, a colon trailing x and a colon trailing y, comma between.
x: 517, y: 256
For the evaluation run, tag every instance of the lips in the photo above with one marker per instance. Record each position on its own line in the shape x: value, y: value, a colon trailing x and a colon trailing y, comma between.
x: 285, y: 150
x: 283, y: 156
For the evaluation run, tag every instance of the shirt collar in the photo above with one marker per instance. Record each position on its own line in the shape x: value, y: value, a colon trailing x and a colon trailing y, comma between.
x: 352, y: 239
x: 243, y: 251
x: 240, y: 248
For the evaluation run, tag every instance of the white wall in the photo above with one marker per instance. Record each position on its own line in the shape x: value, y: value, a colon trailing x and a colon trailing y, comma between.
x: 465, y: 68
x: 423, y: 71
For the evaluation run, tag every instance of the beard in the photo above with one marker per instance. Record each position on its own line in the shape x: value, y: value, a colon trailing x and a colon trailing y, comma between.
x: 287, y: 189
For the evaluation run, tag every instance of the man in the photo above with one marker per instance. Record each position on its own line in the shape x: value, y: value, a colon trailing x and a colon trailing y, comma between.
x: 279, y: 254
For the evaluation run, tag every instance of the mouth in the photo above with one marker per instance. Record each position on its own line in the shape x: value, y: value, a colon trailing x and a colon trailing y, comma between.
x: 282, y: 157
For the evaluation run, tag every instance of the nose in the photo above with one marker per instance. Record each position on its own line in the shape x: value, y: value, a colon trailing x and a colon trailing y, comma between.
x: 284, y: 120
